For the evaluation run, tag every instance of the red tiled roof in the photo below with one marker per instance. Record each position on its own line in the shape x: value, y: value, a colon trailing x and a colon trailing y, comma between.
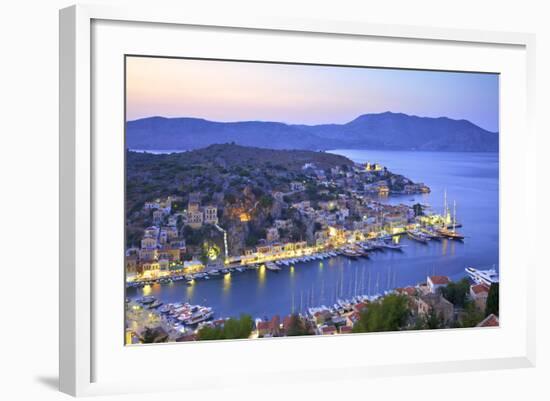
x: 489, y: 321
x: 328, y: 329
x: 354, y: 316
x: 479, y: 288
x: 190, y: 337
x: 263, y: 325
x: 407, y: 290
x: 346, y: 329
x: 286, y: 321
x: 439, y: 280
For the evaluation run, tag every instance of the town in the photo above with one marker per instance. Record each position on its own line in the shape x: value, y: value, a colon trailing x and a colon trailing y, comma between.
x: 436, y: 304
x: 281, y: 213
x: 227, y: 217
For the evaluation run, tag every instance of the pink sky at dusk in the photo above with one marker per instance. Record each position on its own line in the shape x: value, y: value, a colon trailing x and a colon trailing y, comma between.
x: 302, y: 94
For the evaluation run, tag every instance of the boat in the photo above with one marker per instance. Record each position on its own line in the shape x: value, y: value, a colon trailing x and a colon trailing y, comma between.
x: 350, y: 254
x: 240, y: 269
x: 376, y: 245
x: 155, y: 304
x: 272, y: 266
x: 166, y: 308
x: 450, y: 234
x: 201, y: 315
x: 147, y: 300
x: 418, y: 236
x: 390, y: 245
x: 214, y: 273
x: 486, y: 277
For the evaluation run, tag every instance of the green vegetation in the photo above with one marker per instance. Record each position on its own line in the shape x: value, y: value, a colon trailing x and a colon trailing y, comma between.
x: 155, y: 335
x: 457, y: 292
x: 472, y: 315
x: 418, y: 211
x: 433, y: 321
x: 388, y: 315
x: 232, y: 329
x: 492, y: 300
x: 297, y: 327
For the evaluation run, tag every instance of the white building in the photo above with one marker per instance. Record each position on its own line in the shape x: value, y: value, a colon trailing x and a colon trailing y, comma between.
x: 211, y: 215
x: 436, y: 282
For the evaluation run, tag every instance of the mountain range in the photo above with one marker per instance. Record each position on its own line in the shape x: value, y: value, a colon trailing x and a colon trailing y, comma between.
x: 383, y: 131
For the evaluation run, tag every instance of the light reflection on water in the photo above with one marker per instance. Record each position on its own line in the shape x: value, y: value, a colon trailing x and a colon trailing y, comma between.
x: 265, y: 293
x: 226, y: 282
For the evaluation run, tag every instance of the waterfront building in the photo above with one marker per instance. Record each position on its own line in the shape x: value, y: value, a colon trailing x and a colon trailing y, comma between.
x: 194, y: 218
x: 264, y: 250
x: 148, y: 242
x: 211, y: 214
x: 436, y: 282
x: 164, y: 265
x: 150, y: 269
x: 148, y: 254
x: 276, y: 249
x: 193, y: 266
x: 288, y: 247
x: 172, y: 254
x: 131, y: 265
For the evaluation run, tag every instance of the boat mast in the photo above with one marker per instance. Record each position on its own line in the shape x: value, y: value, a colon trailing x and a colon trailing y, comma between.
x: 454, y: 216
x: 445, y: 207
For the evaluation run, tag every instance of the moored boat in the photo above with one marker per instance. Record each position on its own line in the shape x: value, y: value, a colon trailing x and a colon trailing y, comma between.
x: 486, y: 277
x: 418, y: 236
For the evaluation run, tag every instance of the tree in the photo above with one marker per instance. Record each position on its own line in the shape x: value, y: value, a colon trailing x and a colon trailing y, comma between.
x: 231, y: 329
x: 492, y: 300
x: 297, y: 327
x: 266, y: 202
x: 472, y: 315
x: 156, y: 335
x: 433, y: 321
x: 417, y: 208
x: 456, y: 292
x: 390, y: 314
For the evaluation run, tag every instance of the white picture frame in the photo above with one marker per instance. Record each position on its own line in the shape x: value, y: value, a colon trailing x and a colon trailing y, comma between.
x: 79, y: 216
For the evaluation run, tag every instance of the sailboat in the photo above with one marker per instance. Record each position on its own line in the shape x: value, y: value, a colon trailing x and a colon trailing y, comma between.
x: 451, y: 234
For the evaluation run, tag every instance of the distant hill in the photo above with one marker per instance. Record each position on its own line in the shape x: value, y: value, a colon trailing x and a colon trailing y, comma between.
x: 232, y: 155
x: 391, y: 131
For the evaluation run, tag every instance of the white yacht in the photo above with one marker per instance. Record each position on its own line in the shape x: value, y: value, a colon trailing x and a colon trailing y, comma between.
x: 486, y: 277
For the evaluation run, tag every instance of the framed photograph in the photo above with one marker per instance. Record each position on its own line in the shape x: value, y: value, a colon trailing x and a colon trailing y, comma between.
x: 296, y: 200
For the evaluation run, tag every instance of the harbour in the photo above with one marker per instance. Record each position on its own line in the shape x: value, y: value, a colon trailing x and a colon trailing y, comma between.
x: 263, y: 292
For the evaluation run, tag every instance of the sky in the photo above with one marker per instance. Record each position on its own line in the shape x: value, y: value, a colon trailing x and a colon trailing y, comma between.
x: 302, y: 94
